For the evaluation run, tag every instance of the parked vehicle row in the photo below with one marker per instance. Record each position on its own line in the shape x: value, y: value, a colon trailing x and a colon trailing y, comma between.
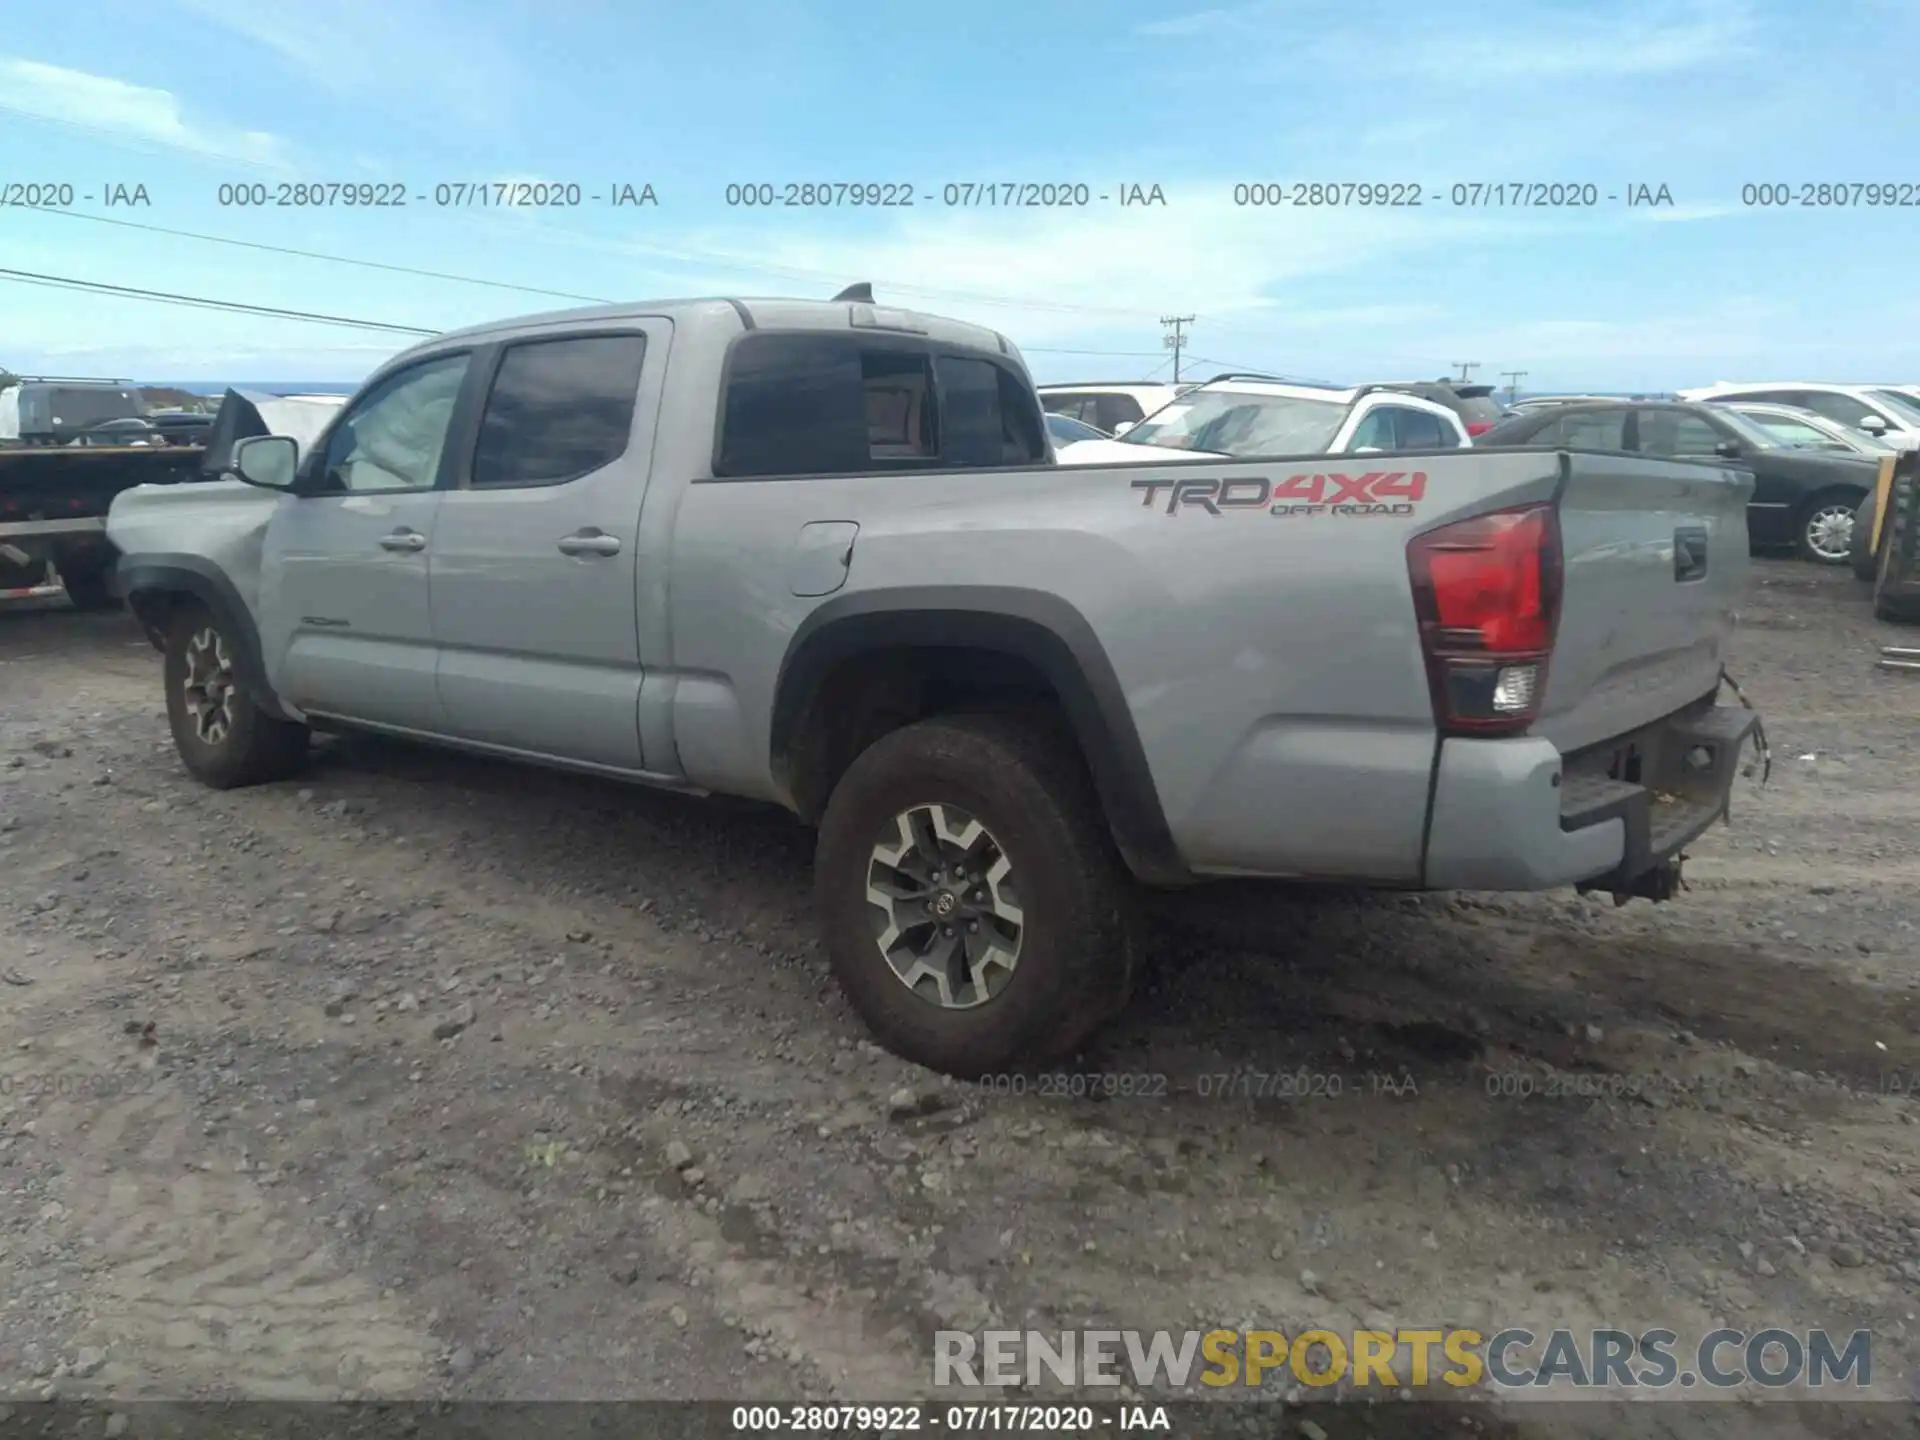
x: 819, y: 554
x: 1244, y: 415
x: 1889, y: 412
x: 1801, y: 497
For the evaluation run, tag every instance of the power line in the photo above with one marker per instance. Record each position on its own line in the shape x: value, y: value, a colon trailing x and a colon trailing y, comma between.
x: 449, y: 275
x: 1467, y: 367
x: 330, y: 259
x: 168, y: 297
x: 1514, y: 377
x: 239, y: 307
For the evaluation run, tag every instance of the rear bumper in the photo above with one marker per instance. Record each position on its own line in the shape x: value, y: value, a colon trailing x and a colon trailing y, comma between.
x: 1518, y: 815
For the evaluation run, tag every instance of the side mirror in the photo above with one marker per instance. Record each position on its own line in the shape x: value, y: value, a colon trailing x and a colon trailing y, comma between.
x: 1368, y: 450
x: 1873, y: 425
x: 1728, y: 449
x: 270, y: 461
x: 1123, y: 427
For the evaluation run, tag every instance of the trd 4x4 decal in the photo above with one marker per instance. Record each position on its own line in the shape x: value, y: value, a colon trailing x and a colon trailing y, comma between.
x: 1378, y: 492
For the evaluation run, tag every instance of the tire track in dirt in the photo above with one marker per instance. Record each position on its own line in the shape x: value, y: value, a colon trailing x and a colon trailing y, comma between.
x: 199, y: 1282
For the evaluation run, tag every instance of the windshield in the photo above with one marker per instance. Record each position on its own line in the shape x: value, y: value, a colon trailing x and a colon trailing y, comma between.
x: 1241, y: 423
x: 1796, y: 433
x: 1905, y: 407
x: 1751, y: 431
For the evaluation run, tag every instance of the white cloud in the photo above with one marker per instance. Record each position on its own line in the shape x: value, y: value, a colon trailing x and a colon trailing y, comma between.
x: 1671, y: 214
x: 1537, y: 42
x: 422, y: 56
x: 1201, y: 22
x: 1556, y: 45
x: 124, y: 112
x: 1072, y: 270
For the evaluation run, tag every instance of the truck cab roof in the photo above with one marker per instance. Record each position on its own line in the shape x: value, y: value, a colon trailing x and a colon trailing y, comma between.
x: 748, y: 314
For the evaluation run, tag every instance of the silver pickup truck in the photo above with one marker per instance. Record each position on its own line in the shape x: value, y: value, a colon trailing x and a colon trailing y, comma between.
x: 817, y: 553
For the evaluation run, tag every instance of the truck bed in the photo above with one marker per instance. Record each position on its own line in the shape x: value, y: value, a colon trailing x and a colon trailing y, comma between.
x: 83, y: 479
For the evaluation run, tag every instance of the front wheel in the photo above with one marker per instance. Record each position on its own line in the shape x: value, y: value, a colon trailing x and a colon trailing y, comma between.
x: 972, y: 904
x: 1825, y: 533
x: 225, y: 740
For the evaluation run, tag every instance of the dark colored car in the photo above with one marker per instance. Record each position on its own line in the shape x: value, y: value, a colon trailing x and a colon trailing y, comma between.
x: 1474, y: 404
x: 1802, y: 498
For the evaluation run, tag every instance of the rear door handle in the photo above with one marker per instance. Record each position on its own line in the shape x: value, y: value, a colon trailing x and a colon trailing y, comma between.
x: 590, y: 542
x: 403, y: 540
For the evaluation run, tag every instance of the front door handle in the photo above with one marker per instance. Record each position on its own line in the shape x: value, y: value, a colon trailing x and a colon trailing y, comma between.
x: 590, y: 542
x: 403, y: 540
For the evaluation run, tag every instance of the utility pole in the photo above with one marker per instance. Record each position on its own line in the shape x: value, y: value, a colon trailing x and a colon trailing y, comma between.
x: 1514, y: 377
x: 1175, y: 339
x: 1467, y: 367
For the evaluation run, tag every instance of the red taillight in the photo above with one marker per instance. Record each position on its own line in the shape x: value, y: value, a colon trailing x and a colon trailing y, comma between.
x: 1479, y: 427
x: 1487, y: 594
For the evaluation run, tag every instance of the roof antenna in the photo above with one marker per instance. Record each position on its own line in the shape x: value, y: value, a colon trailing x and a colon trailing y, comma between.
x: 861, y: 294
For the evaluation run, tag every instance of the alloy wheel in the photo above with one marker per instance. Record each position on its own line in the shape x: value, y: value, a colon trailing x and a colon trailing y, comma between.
x: 209, y: 686
x: 947, y: 913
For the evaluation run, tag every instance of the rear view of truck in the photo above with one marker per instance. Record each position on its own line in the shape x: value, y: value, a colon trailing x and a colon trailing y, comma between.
x: 1576, y: 646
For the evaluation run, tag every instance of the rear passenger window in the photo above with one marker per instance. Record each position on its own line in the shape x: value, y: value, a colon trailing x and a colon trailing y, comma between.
x: 825, y: 405
x: 1114, y: 411
x: 986, y: 416
x: 835, y: 405
x: 794, y: 407
x: 559, y: 409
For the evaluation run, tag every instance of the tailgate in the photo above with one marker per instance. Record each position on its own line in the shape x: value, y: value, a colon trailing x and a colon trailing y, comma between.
x: 1656, y: 564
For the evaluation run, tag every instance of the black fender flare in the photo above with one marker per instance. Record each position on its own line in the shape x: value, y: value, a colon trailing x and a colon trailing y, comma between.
x: 1029, y: 625
x: 145, y: 578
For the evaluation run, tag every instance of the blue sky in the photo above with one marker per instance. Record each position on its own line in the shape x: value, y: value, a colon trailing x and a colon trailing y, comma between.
x: 184, y: 96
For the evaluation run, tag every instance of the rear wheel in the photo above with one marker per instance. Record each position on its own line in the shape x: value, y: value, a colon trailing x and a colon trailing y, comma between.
x: 224, y: 739
x: 972, y: 904
x: 1825, y: 532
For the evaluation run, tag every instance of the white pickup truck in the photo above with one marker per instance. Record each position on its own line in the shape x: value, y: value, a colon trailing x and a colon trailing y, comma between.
x: 819, y: 554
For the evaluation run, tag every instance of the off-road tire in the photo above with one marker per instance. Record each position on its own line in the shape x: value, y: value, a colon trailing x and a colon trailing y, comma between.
x: 1027, y: 784
x: 1899, y: 556
x: 255, y: 747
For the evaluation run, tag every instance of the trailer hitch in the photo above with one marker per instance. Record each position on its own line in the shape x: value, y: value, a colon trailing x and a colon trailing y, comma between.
x: 1660, y: 882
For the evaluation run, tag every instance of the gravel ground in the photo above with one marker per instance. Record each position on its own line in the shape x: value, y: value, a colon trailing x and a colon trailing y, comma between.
x: 428, y: 1076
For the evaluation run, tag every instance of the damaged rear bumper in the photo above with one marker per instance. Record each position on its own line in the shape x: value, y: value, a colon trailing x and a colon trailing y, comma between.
x: 1518, y: 815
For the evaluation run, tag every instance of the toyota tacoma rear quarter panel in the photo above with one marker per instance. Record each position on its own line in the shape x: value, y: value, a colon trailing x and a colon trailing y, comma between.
x: 1270, y: 662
